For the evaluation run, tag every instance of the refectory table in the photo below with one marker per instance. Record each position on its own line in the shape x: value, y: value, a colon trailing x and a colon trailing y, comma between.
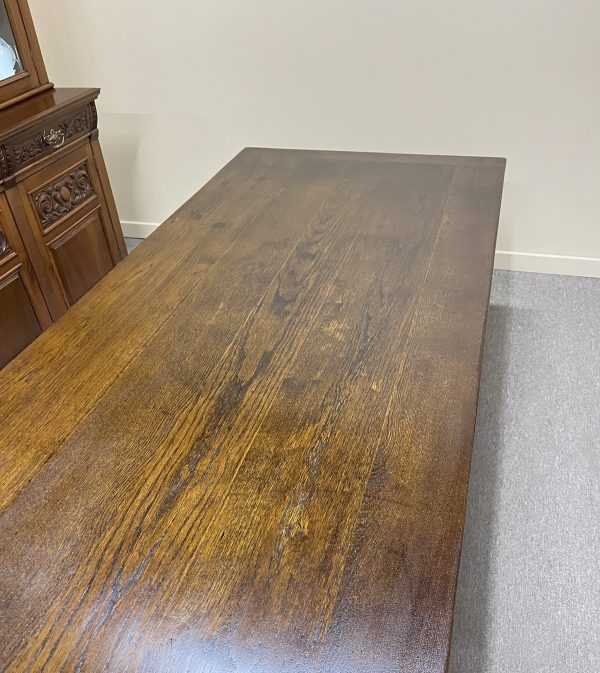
x: 247, y: 449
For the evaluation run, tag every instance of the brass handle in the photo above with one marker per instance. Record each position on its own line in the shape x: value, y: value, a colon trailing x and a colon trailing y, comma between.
x: 55, y: 138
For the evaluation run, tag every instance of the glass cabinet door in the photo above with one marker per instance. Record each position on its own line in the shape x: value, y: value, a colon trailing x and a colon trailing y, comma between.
x: 10, y: 59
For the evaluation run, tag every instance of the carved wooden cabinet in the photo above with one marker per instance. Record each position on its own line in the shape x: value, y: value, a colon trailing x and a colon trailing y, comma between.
x: 59, y: 228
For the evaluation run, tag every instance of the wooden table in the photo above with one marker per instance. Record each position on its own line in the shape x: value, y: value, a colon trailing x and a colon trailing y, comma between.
x: 247, y: 449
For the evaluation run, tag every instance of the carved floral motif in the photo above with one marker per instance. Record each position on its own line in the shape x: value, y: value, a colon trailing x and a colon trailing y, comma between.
x: 63, y: 196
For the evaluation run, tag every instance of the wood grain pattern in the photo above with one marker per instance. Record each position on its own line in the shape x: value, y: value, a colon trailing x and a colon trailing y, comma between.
x: 262, y: 465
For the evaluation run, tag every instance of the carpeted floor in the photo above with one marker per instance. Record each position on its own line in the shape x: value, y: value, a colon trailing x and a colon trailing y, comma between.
x: 529, y: 589
x: 132, y: 243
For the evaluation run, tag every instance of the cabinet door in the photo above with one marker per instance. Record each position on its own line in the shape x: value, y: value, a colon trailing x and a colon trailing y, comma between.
x: 67, y: 229
x: 23, y: 312
x: 81, y: 255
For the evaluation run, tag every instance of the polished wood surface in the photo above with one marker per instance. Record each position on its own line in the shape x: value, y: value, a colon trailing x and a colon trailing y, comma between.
x: 247, y: 448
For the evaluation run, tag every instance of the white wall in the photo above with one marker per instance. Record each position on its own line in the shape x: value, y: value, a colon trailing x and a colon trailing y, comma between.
x: 187, y: 83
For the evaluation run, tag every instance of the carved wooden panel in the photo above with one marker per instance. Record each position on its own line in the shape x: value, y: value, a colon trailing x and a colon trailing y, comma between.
x: 16, y: 154
x: 61, y: 197
x: 5, y: 248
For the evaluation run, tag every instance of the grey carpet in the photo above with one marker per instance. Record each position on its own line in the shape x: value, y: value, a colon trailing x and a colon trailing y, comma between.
x: 529, y: 589
x: 132, y: 243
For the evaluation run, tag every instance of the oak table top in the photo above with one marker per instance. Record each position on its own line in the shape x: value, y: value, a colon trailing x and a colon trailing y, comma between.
x: 247, y: 449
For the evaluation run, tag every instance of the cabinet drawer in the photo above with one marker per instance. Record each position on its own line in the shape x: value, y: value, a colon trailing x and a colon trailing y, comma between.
x: 49, y: 135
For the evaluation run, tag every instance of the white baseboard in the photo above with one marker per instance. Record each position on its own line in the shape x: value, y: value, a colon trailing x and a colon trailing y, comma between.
x: 137, y: 229
x: 534, y: 262
x: 566, y: 265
